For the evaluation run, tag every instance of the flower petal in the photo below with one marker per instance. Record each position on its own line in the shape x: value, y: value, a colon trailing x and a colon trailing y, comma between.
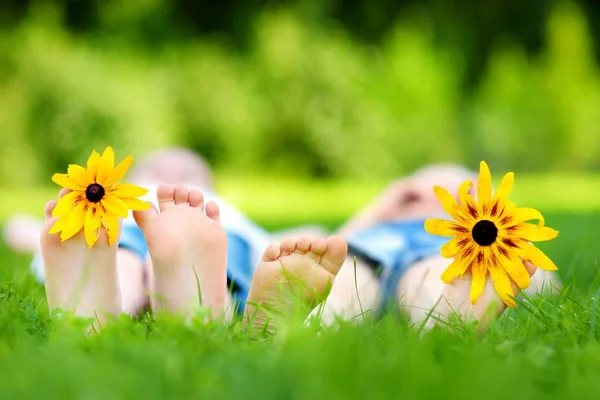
x: 479, y: 272
x: 111, y: 225
x: 93, y: 163
x: 58, y: 226
x: 503, y: 286
x: 66, y: 203
x: 499, y: 209
x: 484, y: 185
x: 526, y: 214
x: 506, y: 186
x: 136, y: 204
x: 66, y: 182
x: 450, y: 205
x: 454, y: 246
x: 119, y: 172
x: 79, y: 175
x: 107, y: 164
x: 124, y: 190
x: 108, y: 157
x: 517, y: 271
x: 91, y: 226
x: 455, y: 269
x: 538, y: 258
x: 443, y: 227
x: 466, y: 200
x: 114, y: 205
x: 74, y: 222
x: 534, y: 233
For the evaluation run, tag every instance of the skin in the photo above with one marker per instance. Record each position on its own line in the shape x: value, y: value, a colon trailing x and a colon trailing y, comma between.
x: 188, y: 252
x: 295, y: 269
x: 172, y: 285
x: 420, y: 292
x: 185, y: 240
x: 84, y: 281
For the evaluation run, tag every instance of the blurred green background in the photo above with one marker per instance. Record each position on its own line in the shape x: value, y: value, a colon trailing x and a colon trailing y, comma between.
x: 307, y: 109
x: 281, y: 95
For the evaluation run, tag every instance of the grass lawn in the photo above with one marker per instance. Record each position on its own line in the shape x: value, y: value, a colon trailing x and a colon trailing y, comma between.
x: 548, y: 348
x: 278, y: 202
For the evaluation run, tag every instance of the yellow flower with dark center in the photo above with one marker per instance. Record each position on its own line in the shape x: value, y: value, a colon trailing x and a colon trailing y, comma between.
x: 490, y: 236
x: 95, y: 199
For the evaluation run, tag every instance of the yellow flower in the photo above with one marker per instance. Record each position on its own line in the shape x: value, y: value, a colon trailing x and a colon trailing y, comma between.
x: 95, y: 199
x: 490, y: 235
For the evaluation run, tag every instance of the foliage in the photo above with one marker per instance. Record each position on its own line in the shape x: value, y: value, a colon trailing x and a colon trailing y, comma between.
x: 548, y: 348
x: 302, y: 97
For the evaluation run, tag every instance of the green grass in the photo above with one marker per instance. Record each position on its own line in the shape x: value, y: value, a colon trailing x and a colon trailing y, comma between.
x: 546, y: 349
x: 279, y: 202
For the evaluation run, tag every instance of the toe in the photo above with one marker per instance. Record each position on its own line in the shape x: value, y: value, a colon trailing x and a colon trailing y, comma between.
x: 63, y: 192
x: 212, y: 211
x: 303, y: 245
x: 335, y: 254
x: 181, y: 194
x: 530, y: 268
x: 48, y: 209
x: 272, y: 252
x: 142, y: 217
x: 196, y: 198
x: 164, y: 196
x: 288, y: 245
x: 46, y: 239
x: 317, y: 248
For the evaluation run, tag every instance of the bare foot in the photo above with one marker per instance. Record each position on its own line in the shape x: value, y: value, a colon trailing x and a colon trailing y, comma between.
x: 489, y: 307
x: 297, y: 267
x: 77, y: 278
x: 188, y: 247
x: 424, y: 296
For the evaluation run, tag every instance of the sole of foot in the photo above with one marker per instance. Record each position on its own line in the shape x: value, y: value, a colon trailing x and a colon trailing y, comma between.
x: 427, y: 300
x: 188, y: 248
x: 291, y: 272
x: 79, y: 279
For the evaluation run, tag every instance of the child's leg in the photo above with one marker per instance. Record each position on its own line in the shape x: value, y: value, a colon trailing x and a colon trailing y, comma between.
x: 188, y: 250
x: 355, y: 294
x: 79, y: 279
x: 133, y: 269
x: 240, y: 269
x: 296, y: 267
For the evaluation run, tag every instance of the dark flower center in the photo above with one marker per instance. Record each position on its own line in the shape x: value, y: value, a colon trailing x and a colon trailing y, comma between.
x: 94, y: 193
x: 484, y: 232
